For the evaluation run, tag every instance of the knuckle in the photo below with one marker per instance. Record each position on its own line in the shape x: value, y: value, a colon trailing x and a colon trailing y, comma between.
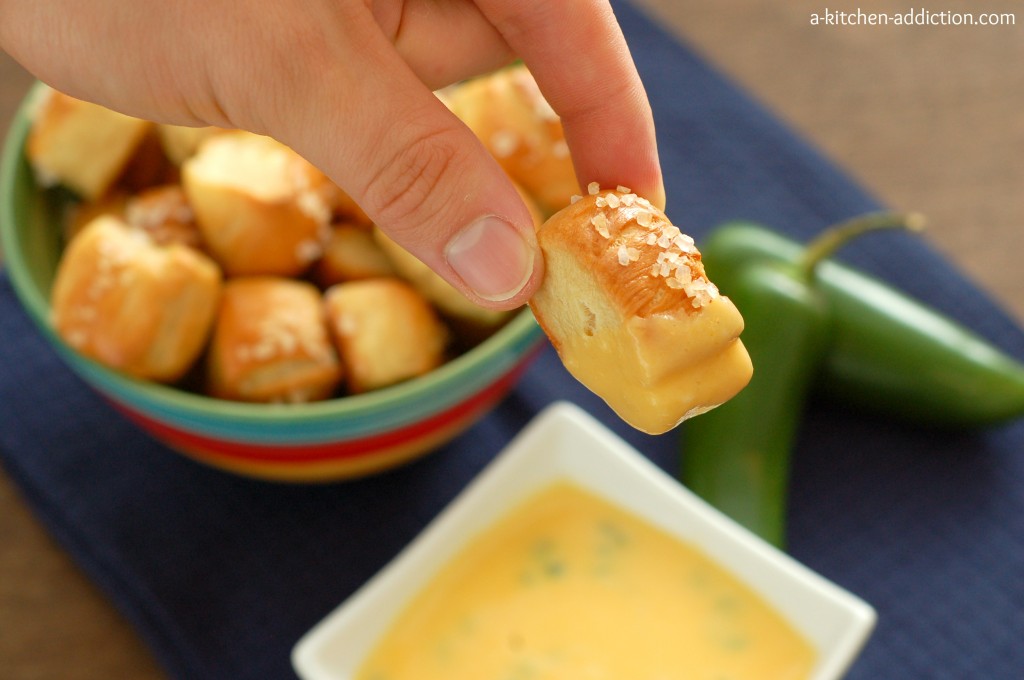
x: 406, y: 184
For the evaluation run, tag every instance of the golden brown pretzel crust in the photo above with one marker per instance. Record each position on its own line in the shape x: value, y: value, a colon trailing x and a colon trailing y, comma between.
x: 271, y: 344
x: 627, y: 305
x: 508, y: 113
x: 262, y: 209
x: 385, y: 331
x: 132, y: 304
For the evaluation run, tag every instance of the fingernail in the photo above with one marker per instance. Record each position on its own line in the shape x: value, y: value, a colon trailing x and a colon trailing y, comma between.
x: 492, y: 257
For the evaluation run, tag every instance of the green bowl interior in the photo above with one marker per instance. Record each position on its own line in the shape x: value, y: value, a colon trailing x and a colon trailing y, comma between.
x: 30, y: 234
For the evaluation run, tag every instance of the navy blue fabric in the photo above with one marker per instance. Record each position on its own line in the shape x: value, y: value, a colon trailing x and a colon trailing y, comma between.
x: 221, y: 575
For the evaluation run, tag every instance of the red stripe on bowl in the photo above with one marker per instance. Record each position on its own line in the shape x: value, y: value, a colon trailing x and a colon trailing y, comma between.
x: 352, y: 448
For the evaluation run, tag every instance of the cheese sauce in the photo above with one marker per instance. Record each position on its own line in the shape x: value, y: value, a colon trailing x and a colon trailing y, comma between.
x: 571, y: 587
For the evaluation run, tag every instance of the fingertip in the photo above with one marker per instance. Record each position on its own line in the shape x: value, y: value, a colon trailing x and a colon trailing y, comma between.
x: 657, y: 195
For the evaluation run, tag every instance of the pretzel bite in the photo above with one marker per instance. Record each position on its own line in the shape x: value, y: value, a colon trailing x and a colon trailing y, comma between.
x: 472, y: 321
x: 351, y: 253
x: 180, y: 142
x: 262, y: 209
x: 443, y: 295
x: 131, y: 304
x: 627, y: 305
x: 385, y: 332
x: 81, y: 145
x: 270, y: 343
x: 509, y: 114
x: 164, y: 213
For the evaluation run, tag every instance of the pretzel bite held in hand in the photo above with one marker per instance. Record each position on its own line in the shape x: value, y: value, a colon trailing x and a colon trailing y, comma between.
x: 385, y: 331
x: 271, y: 344
x: 132, y: 304
x: 262, y: 209
x: 627, y: 305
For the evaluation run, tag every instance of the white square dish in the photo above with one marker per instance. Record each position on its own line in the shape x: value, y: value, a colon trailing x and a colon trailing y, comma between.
x: 564, y: 443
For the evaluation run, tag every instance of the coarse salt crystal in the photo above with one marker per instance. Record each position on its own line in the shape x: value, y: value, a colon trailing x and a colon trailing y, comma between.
x: 574, y: 198
x: 504, y: 143
x: 347, y: 325
x: 628, y: 200
x: 644, y: 220
x: 613, y: 200
x: 262, y: 351
x: 287, y: 342
x: 623, y: 190
x: 623, y: 256
x: 684, y: 243
x: 308, y: 250
x: 313, y: 206
x: 593, y: 188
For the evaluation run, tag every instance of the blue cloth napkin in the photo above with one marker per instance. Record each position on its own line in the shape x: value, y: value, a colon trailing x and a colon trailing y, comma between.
x: 221, y: 575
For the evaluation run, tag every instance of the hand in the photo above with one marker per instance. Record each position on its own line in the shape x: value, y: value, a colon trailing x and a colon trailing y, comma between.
x: 348, y: 84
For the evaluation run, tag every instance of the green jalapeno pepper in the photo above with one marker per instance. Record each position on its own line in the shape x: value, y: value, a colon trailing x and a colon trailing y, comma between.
x: 888, y: 353
x: 737, y: 456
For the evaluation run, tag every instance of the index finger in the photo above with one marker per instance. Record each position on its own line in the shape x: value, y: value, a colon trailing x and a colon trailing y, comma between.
x: 576, y: 51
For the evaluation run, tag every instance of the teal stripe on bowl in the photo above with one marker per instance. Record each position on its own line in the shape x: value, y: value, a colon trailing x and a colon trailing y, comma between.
x: 349, y: 417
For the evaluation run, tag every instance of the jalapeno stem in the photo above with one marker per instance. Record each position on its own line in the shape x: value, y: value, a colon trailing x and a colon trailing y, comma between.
x: 834, y: 238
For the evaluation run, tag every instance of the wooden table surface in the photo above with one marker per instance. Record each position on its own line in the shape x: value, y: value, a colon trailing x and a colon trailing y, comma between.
x: 929, y: 118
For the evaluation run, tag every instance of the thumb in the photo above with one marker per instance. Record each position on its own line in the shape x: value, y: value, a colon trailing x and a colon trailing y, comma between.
x: 413, y: 167
x: 432, y: 187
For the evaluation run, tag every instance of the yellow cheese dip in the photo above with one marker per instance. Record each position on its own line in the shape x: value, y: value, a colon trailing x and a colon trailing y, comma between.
x: 571, y: 587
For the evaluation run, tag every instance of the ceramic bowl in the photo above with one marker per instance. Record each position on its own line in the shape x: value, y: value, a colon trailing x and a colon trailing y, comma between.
x: 565, y: 444
x: 323, y: 441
